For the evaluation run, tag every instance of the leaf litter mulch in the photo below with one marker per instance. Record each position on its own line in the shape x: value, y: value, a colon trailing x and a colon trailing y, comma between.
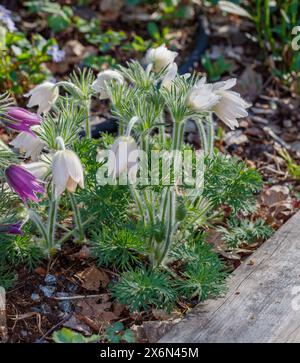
x: 72, y: 292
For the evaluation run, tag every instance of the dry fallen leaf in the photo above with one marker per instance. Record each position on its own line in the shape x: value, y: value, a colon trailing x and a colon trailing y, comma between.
x: 274, y: 195
x: 96, y: 314
x: 93, y: 278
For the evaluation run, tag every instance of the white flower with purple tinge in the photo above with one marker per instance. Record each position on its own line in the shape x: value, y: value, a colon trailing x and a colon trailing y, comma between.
x: 6, y: 19
x: 57, y: 54
x: 23, y: 183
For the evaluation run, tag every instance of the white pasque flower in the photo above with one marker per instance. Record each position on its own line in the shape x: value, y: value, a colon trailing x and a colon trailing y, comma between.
x: 67, y: 172
x: 29, y: 144
x: 170, y: 76
x: 99, y: 85
x: 202, y: 97
x: 40, y: 169
x: 123, y: 156
x: 231, y: 105
x: 160, y: 57
x: 44, y: 96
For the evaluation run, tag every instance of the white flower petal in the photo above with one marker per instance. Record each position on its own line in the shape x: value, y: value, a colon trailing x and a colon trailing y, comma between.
x: 161, y: 57
x: 99, y: 85
x: 43, y: 96
x: 31, y: 145
x: 170, y: 76
x: 224, y: 85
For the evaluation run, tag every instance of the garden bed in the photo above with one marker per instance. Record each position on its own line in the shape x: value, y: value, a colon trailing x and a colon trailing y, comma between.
x: 74, y: 288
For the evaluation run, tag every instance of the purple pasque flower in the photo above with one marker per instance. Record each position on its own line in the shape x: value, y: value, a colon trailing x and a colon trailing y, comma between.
x: 24, y: 183
x: 19, y: 119
x: 56, y: 54
x: 12, y: 228
x: 6, y: 19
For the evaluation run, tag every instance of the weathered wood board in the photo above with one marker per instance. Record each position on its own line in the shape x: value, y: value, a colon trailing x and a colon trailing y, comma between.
x: 3, y: 327
x: 262, y: 303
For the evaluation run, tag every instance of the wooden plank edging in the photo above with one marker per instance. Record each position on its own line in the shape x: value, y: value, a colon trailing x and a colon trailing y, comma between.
x: 262, y: 303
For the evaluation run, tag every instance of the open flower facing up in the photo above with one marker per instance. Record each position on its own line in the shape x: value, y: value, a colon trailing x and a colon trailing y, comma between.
x: 201, y: 96
x: 67, y: 172
x: 160, y: 57
x: 216, y: 97
x: 29, y: 143
x: 23, y: 183
x: 123, y: 156
x: 12, y: 228
x: 99, y: 85
x: 44, y: 96
x: 19, y: 119
x: 231, y: 105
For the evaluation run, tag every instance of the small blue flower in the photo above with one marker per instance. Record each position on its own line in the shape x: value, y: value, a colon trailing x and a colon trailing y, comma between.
x: 6, y: 19
x: 56, y: 54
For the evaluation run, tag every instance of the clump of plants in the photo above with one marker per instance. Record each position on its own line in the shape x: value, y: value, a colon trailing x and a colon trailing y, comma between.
x: 142, y: 200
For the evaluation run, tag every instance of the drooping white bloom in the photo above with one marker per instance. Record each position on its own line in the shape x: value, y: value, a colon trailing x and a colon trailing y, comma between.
x: 231, y: 106
x: 202, y: 97
x: 44, y: 96
x: 170, y: 76
x: 123, y: 156
x: 99, y: 85
x: 67, y: 172
x: 40, y: 169
x: 29, y: 144
x: 161, y: 57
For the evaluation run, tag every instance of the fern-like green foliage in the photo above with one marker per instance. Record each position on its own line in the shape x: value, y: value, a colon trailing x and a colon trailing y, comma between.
x: 142, y: 289
x: 230, y: 182
x: 240, y: 231
x: 20, y: 251
x: 10, y: 207
x: 120, y: 248
x: 103, y: 205
x: 7, y: 277
x: 203, y: 272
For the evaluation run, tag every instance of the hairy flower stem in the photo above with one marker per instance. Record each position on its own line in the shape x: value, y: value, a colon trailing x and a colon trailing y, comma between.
x: 203, y: 137
x: 210, y: 135
x: 170, y: 223
x: 168, y: 213
x: 138, y: 201
x: 88, y: 132
x: 71, y: 233
x: 52, y: 220
x: 40, y: 226
x: 77, y: 217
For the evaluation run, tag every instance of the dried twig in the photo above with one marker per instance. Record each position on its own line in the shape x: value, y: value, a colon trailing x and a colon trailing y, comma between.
x: 79, y: 297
